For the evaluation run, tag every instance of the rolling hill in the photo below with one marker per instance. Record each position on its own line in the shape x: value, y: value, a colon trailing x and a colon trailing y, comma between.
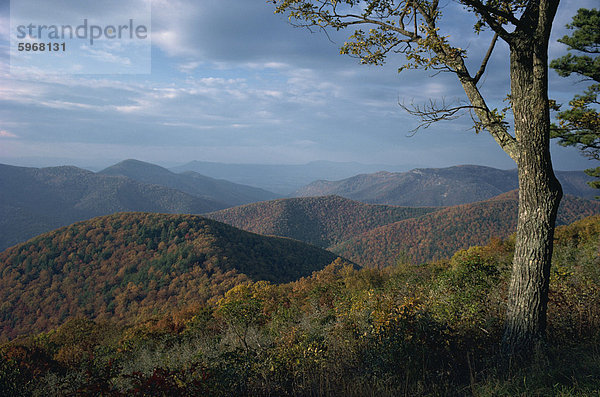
x: 377, y: 235
x: 127, y: 265
x: 36, y: 200
x: 321, y: 221
x: 190, y: 182
x: 436, y: 186
x: 439, y: 234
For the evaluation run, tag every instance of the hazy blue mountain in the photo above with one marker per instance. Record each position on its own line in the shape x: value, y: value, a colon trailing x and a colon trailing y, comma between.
x: 436, y: 186
x: 280, y: 178
x: 36, y: 200
x: 190, y: 182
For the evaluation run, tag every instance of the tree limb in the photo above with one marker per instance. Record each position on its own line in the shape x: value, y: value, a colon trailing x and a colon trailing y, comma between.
x: 489, y: 120
x: 485, y: 12
x: 432, y: 112
x: 485, y: 59
x: 359, y: 19
x: 479, y: 6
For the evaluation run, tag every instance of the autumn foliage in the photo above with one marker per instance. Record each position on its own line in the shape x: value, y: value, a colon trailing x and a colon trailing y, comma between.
x: 439, y: 234
x: 128, y: 266
x: 431, y: 329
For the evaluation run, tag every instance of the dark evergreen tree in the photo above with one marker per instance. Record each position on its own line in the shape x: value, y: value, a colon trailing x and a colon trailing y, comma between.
x: 579, y: 125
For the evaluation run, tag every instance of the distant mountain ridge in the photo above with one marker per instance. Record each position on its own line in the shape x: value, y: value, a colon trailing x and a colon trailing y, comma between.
x: 281, y: 178
x: 33, y: 201
x: 229, y: 193
x: 436, y: 186
x: 36, y: 200
x: 127, y: 265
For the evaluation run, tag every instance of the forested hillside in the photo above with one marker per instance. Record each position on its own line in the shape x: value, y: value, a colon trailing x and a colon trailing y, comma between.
x: 381, y: 235
x: 127, y: 265
x: 37, y: 200
x: 426, y: 330
x: 439, y: 234
x: 322, y: 221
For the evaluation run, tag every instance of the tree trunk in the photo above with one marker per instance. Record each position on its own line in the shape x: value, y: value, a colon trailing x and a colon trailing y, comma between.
x: 539, y: 194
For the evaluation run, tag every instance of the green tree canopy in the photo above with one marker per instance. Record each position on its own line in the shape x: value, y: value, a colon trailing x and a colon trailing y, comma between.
x: 579, y: 125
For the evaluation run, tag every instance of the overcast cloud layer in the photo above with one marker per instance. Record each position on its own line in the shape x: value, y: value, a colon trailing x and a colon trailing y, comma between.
x: 232, y: 82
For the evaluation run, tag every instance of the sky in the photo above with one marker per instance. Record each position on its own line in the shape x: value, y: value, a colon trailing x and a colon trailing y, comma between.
x: 229, y: 81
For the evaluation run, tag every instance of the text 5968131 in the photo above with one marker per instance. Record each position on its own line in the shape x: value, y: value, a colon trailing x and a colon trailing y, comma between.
x: 41, y: 47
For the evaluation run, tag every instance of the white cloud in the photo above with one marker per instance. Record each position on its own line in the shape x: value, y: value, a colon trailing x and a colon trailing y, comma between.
x: 237, y: 82
x: 188, y: 67
x: 304, y: 142
x: 4, y: 28
x: 66, y: 105
x: 7, y: 134
x: 105, y: 56
x: 169, y: 41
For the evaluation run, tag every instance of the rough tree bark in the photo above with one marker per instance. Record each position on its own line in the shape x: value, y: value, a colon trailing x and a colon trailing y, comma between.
x: 539, y: 190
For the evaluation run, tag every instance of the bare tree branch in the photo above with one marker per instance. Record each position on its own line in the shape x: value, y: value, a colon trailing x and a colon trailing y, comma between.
x: 433, y: 112
x: 485, y: 59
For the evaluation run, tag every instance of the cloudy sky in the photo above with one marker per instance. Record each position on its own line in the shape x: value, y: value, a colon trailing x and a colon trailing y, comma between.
x: 232, y: 82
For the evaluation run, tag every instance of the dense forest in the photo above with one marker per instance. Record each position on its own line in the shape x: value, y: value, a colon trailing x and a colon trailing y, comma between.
x: 321, y: 221
x: 380, y: 235
x: 439, y: 234
x: 410, y: 330
x: 129, y: 265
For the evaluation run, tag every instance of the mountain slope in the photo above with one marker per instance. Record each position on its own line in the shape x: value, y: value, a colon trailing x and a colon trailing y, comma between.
x: 439, y: 234
x: 130, y: 264
x: 280, y: 178
x: 36, y: 200
x: 322, y: 221
x: 436, y: 186
x: 190, y: 182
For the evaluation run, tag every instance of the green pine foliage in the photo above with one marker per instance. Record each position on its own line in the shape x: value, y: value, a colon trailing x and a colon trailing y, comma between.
x: 405, y: 330
x: 579, y: 125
